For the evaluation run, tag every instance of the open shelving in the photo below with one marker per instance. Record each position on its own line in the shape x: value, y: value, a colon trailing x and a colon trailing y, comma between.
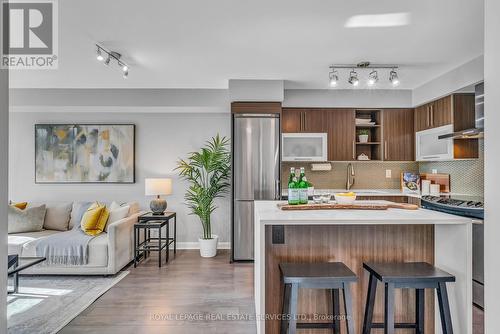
x: 372, y: 148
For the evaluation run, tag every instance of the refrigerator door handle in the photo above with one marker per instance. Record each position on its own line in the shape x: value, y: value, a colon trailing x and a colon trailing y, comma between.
x: 277, y: 195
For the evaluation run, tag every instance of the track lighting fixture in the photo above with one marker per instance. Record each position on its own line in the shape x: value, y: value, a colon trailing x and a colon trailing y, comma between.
x: 361, y: 68
x: 107, y: 57
x: 372, y: 78
x: 334, y: 78
x: 393, y: 78
x: 353, y: 78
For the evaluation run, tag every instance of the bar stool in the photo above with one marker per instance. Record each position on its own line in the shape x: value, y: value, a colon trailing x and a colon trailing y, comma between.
x: 329, y: 275
x: 415, y: 275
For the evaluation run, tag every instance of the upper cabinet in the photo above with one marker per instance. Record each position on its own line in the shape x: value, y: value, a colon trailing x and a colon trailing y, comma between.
x: 341, y: 134
x: 291, y: 120
x: 434, y: 114
x: 457, y: 110
x: 303, y: 120
x: 398, y: 133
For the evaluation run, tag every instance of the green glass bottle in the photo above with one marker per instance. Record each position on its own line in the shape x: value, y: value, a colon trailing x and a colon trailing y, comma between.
x: 303, y: 186
x: 293, y: 188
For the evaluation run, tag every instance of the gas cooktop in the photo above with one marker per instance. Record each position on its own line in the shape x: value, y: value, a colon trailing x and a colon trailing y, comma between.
x: 467, y: 206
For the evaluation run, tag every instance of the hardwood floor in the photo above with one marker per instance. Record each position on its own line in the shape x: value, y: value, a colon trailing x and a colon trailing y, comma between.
x: 188, y: 285
x: 159, y: 300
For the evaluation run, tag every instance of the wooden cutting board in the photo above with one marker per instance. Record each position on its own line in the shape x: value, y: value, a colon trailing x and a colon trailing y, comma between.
x: 359, y: 205
x: 442, y: 179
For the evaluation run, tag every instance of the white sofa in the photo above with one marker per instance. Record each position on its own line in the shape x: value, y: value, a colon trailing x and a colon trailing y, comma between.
x: 109, y: 252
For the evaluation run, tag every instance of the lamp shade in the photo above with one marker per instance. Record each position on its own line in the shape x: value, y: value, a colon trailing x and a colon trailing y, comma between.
x: 155, y: 187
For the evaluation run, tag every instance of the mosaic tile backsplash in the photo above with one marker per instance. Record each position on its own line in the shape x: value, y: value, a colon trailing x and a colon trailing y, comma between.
x: 369, y: 174
x: 467, y: 176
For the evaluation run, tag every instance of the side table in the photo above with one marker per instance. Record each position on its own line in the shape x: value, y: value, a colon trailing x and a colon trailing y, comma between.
x: 148, y: 222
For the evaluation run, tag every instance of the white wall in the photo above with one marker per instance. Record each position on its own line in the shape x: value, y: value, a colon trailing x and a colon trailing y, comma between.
x: 4, y: 134
x: 348, y: 98
x: 467, y: 74
x: 161, y: 138
x: 492, y: 161
x: 256, y: 90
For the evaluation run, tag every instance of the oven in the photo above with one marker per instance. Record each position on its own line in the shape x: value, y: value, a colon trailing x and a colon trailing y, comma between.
x: 466, y: 206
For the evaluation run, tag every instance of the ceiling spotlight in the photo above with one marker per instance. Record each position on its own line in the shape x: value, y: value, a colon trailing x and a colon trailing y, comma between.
x: 99, y: 55
x: 353, y: 78
x: 124, y: 67
x: 372, y: 78
x: 108, y: 60
x: 393, y: 77
x: 334, y: 78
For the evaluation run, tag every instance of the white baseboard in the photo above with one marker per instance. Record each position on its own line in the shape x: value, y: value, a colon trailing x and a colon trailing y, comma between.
x: 195, y: 245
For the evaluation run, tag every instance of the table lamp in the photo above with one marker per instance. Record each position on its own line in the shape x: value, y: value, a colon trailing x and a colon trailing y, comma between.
x: 158, y: 187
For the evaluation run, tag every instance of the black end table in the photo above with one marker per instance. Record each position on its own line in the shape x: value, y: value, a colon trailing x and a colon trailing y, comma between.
x: 16, y: 264
x: 148, y: 222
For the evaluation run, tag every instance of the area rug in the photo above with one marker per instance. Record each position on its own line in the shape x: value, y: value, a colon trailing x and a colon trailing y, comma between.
x: 45, y: 304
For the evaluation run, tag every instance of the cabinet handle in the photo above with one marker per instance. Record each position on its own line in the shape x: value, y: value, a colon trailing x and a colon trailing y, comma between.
x: 305, y: 122
x: 432, y: 116
x: 353, y: 150
x: 385, y: 150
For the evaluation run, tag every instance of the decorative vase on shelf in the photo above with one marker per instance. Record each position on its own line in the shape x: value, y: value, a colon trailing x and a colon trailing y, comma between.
x: 363, y: 138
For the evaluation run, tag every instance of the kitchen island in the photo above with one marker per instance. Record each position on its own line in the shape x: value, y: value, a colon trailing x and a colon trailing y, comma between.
x: 354, y: 237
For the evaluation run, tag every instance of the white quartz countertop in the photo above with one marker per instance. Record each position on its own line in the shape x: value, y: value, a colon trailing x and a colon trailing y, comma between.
x: 268, y: 213
x: 375, y: 192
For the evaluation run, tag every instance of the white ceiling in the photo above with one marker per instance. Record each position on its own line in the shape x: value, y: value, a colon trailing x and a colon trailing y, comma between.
x: 202, y: 44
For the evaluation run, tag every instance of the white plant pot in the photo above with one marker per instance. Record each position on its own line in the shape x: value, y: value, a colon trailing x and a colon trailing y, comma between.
x: 208, y: 247
x: 363, y: 138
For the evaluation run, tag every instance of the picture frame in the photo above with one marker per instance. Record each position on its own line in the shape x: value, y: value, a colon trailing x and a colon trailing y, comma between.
x: 85, y: 153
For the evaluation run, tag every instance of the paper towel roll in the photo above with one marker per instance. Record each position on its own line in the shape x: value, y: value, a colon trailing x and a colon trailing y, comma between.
x: 435, y: 189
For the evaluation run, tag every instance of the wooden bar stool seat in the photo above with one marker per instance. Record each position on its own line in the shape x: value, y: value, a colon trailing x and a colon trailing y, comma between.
x: 415, y: 275
x: 334, y: 276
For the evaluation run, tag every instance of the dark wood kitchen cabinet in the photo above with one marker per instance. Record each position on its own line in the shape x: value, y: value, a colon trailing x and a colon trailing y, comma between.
x: 398, y: 135
x: 303, y: 120
x: 422, y: 117
x: 291, y: 120
x: 434, y: 114
x: 341, y: 134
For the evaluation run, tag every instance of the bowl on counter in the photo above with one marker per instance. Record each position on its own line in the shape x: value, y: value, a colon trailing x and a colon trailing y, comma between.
x: 345, y: 198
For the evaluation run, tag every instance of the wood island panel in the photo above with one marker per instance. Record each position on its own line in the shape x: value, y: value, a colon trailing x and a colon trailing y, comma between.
x: 353, y: 245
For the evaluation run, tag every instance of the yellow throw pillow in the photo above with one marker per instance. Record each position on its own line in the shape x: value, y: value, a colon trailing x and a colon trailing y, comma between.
x: 94, y: 219
x: 20, y: 205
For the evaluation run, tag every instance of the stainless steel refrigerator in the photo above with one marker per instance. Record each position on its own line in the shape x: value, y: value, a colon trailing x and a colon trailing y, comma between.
x: 256, y: 175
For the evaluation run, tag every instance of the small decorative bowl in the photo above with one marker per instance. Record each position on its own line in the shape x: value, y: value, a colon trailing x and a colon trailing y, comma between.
x: 345, y: 198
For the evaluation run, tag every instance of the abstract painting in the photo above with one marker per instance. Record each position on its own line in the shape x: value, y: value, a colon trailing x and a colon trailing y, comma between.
x: 84, y: 153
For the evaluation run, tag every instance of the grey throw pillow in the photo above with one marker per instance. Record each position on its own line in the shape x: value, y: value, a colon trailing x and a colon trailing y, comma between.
x: 27, y: 220
x: 77, y: 212
x: 57, y: 216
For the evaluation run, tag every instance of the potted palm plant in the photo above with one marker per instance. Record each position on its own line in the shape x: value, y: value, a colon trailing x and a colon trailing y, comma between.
x: 208, y: 172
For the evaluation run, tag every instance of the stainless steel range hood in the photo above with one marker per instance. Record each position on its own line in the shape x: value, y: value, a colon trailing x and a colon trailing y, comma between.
x: 478, y: 130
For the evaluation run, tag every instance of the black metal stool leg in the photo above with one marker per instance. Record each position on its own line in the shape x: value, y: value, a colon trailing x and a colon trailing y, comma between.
x: 419, y: 310
x: 285, y: 309
x: 336, y: 311
x: 349, y: 320
x: 444, y: 308
x: 370, y: 304
x: 389, y: 309
x: 292, y: 324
